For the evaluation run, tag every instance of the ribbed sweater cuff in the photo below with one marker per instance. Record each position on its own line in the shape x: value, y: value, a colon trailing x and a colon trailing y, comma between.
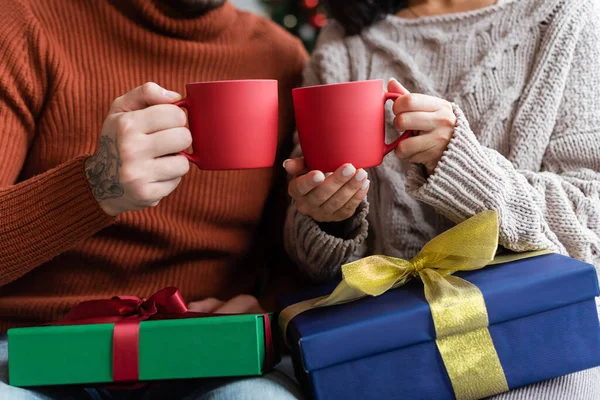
x: 46, y: 215
x: 319, y: 253
x: 464, y: 182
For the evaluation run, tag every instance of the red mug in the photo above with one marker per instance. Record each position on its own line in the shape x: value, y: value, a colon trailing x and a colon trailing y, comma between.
x: 233, y: 123
x: 343, y: 123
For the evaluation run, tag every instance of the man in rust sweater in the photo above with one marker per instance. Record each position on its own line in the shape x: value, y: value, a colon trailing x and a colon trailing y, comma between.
x: 74, y: 105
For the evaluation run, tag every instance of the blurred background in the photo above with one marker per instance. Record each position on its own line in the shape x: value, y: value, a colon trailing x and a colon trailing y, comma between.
x: 302, y: 18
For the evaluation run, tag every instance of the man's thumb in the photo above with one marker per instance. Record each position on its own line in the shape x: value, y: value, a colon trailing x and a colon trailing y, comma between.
x: 149, y: 94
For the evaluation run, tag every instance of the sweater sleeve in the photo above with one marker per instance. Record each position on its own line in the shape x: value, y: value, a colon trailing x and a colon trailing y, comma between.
x: 556, y: 208
x: 43, y: 216
x: 320, y: 249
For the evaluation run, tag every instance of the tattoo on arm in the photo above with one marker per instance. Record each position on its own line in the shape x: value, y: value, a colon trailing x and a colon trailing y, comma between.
x: 102, y: 170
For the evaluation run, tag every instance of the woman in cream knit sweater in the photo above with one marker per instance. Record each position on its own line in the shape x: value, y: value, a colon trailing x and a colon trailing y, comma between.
x: 506, y: 97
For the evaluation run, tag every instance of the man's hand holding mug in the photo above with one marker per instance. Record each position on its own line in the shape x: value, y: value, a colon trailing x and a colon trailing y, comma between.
x: 136, y: 162
x: 141, y: 158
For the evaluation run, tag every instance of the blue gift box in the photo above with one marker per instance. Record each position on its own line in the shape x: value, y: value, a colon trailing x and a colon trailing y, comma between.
x: 543, y: 322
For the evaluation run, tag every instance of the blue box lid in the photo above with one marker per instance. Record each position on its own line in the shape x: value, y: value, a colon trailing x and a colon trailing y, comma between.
x: 401, y: 317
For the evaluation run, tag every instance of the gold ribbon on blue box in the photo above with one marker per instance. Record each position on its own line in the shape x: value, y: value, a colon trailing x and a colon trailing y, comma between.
x: 457, y: 306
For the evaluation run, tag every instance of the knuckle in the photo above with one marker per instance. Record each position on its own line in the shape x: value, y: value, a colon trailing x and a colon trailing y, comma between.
x: 248, y: 299
x: 354, y: 185
x: 148, y: 88
x: 192, y: 305
x: 176, y: 167
x: 397, y: 105
x: 442, y: 136
x: 446, y: 116
x: 146, y: 194
x: 318, y: 198
x: 339, y: 179
x: 401, y: 104
x: 127, y: 150
x: 128, y: 174
x: 400, y: 150
x: 186, y: 138
x: 305, y: 187
x: 410, y: 101
x: 447, y: 120
x: 184, y: 165
x: 112, y: 120
x: 448, y: 107
x: 177, y: 182
x: 125, y: 124
x: 116, y: 103
x: 349, y: 210
x: 351, y: 206
x: 180, y: 117
x: 432, y: 124
x: 335, y: 204
x: 401, y: 121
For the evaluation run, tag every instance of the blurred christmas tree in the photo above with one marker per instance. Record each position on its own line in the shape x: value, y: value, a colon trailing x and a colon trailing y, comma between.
x: 303, y: 18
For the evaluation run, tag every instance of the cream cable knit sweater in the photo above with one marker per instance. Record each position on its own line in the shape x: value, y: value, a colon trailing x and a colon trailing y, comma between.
x: 525, y: 76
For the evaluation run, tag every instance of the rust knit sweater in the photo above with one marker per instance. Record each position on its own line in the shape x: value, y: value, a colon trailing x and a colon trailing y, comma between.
x: 62, y: 64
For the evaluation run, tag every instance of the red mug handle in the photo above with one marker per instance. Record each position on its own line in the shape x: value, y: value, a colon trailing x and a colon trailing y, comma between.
x: 387, y: 148
x: 184, y: 104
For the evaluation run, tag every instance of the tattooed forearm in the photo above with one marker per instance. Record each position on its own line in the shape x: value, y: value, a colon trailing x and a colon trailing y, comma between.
x: 102, y: 170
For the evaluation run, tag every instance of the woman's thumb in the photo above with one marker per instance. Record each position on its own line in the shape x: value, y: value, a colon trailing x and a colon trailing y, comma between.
x: 395, y: 87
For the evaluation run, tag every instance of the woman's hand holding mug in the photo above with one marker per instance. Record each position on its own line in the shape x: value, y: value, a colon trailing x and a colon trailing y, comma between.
x: 331, y: 198
x: 341, y: 128
x: 431, y: 116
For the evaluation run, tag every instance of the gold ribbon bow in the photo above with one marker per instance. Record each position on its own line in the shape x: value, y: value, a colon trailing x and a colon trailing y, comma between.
x: 458, y: 309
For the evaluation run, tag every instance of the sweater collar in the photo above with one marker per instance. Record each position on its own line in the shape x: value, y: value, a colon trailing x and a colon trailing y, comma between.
x: 155, y: 17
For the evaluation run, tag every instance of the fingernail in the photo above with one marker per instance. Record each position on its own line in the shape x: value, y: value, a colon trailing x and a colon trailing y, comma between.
x: 360, y: 175
x: 319, y: 177
x: 285, y: 162
x: 327, y: 175
x: 393, y: 80
x: 365, y: 185
x: 171, y: 95
x: 348, y: 170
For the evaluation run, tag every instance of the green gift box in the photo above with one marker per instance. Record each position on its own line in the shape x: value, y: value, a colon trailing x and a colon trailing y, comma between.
x: 190, y: 346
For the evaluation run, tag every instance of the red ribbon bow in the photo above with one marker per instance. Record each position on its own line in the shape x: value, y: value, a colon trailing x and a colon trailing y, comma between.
x: 126, y: 312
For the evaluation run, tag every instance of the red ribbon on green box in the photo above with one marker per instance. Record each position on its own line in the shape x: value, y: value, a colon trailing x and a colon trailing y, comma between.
x: 126, y: 312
